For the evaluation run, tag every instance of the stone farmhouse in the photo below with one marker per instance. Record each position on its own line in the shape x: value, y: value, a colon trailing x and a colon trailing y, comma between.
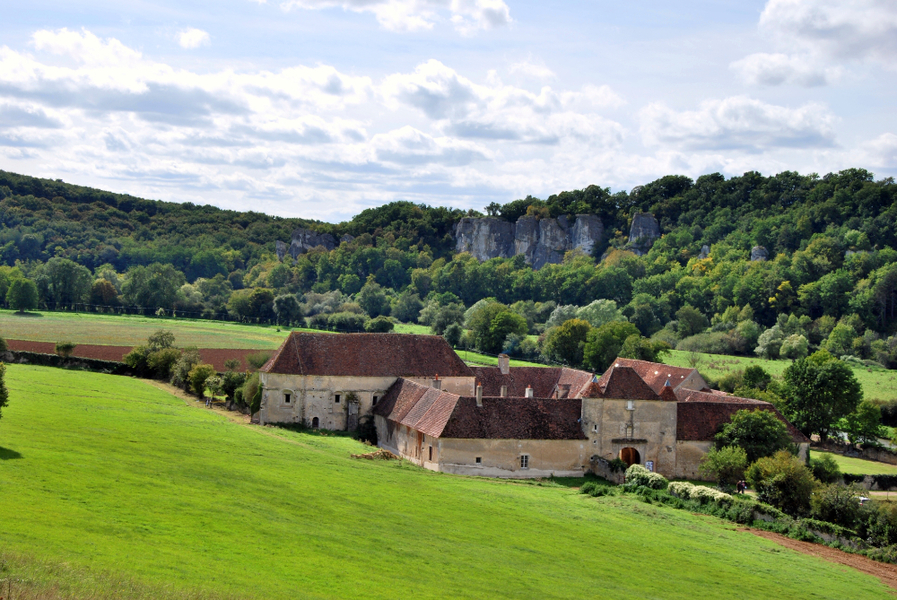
x: 431, y: 408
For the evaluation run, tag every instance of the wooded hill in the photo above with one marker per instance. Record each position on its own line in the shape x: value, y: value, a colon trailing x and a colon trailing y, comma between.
x: 831, y: 242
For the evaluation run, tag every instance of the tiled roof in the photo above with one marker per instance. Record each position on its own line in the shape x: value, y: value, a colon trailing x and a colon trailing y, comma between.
x: 367, y: 355
x: 516, y: 419
x: 700, y: 415
x: 543, y: 380
x: 441, y: 414
x: 654, y: 374
x: 621, y: 383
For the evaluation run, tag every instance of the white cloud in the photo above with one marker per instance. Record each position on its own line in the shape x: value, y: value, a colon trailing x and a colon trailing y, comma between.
x: 193, y: 38
x: 533, y: 70
x: 495, y: 111
x: 468, y: 16
x: 837, y: 29
x: 737, y: 123
x: 881, y: 152
x: 777, y: 69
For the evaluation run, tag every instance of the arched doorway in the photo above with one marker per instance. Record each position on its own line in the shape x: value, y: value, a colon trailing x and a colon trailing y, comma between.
x: 630, y: 456
x: 314, y: 423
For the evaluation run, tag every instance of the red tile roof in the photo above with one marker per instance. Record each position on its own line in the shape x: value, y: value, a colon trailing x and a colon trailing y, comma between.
x: 621, y: 383
x: 367, y: 355
x: 543, y: 380
x: 700, y: 415
x: 441, y: 414
x: 654, y: 374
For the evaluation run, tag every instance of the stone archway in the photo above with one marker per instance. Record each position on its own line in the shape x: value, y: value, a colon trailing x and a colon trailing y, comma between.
x: 630, y: 456
x: 314, y: 423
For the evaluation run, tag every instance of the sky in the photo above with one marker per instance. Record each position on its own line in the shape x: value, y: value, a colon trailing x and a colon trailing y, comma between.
x: 322, y: 108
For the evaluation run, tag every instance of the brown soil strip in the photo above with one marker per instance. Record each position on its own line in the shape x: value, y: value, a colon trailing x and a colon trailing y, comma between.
x: 885, y: 572
x: 214, y: 356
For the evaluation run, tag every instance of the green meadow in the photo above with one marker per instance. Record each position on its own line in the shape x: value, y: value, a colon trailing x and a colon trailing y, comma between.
x: 878, y: 383
x: 112, y: 488
x: 858, y: 466
x: 127, y: 330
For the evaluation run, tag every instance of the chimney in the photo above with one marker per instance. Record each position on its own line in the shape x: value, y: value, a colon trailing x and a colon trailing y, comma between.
x: 436, y: 383
x: 479, y: 395
x: 504, y: 391
x: 529, y: 392
x: 504, y: 364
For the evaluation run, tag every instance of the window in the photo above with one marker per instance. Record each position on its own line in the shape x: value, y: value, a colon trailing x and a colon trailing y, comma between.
x: 431, y: 453
x: 374, y: 403
x: 524, y: 461
x: 287, y: 396
x: 479, y: 460
x: 336, y: 399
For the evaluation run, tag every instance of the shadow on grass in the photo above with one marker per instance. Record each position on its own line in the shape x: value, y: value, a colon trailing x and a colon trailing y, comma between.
x: 27, y: 314
x: 7, y: 454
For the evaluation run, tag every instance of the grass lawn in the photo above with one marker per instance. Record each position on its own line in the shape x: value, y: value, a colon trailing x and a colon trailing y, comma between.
x: 125, y: 330
x: 113, y: 487
x: 857, y: 466
x: 877, y: 383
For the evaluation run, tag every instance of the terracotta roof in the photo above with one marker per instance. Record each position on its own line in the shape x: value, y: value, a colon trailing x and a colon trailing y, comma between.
x: 700, y: 415
x: 621, y: 383
x: 441, y: 414
x: 367, y: 355
x: 516, y: 419
x: 543, y: 380
x: 654, y: 374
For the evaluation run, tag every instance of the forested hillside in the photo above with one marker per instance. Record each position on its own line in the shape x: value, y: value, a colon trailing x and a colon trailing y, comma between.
x: 830, y: 280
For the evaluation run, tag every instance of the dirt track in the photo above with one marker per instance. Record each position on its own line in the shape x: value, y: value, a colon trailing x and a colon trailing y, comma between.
x: 214, y: 356
x: 886, y: 573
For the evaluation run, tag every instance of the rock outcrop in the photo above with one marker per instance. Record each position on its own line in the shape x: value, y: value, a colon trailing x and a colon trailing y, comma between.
x: 643, y: 232
x: 705, y: 252
x: 303, y: 241
x: 759, y: 253
x: 540, y: 241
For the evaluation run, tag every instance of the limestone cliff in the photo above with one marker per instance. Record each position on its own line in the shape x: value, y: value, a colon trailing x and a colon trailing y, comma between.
x: 643, y: 232
x: 540, y: 241
x: 303, y: 241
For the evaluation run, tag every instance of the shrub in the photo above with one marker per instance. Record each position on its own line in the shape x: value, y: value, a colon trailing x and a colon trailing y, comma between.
x: 704, y: 494
x: 637, y: 475
x: 197, y: 378
x: 783, y: 481
x: 379, y: 325
x: 347, y: 321
x: 181, y: 369
x: 65, y: 349
x: 825, y: 469
x: 161, y: 361
x: 837, y: 503
x: 715, y: 342
x: 257, y: 360
x: 680, y: 489
x: 3, y: 346
x: 725, y: 465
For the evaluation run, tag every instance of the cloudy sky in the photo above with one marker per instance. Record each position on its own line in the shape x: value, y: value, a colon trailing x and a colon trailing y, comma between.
x: 321, y: 108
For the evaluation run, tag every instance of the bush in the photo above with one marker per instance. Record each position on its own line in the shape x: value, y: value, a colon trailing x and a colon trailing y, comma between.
x: 680, y: 489
x: 181, y: 370
x: 160, y: 362
x: 197, y: 378
x: 347, y: 321
x: 379, y: 325
x: 65, y: 349
x: 825, y: 469
x: 837, y: 503
x: 3, y: 346
x: 725, y: 465
x: 783, y: 481
x: 715, y: 342
x: 257, y: 360
x: 637, y: 475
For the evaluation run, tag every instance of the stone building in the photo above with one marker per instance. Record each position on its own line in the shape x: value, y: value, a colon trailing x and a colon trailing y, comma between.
x: 432, y: 409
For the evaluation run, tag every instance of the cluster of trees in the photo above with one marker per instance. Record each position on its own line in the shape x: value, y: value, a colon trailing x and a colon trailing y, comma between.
x: 830, y: 283
x: 756, y: 446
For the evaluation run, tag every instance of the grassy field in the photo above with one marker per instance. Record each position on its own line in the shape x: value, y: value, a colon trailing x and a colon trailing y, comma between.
x: 125, y: 330
x: 858, y: 466
x: 109, y: 483
x: 878, y: 384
